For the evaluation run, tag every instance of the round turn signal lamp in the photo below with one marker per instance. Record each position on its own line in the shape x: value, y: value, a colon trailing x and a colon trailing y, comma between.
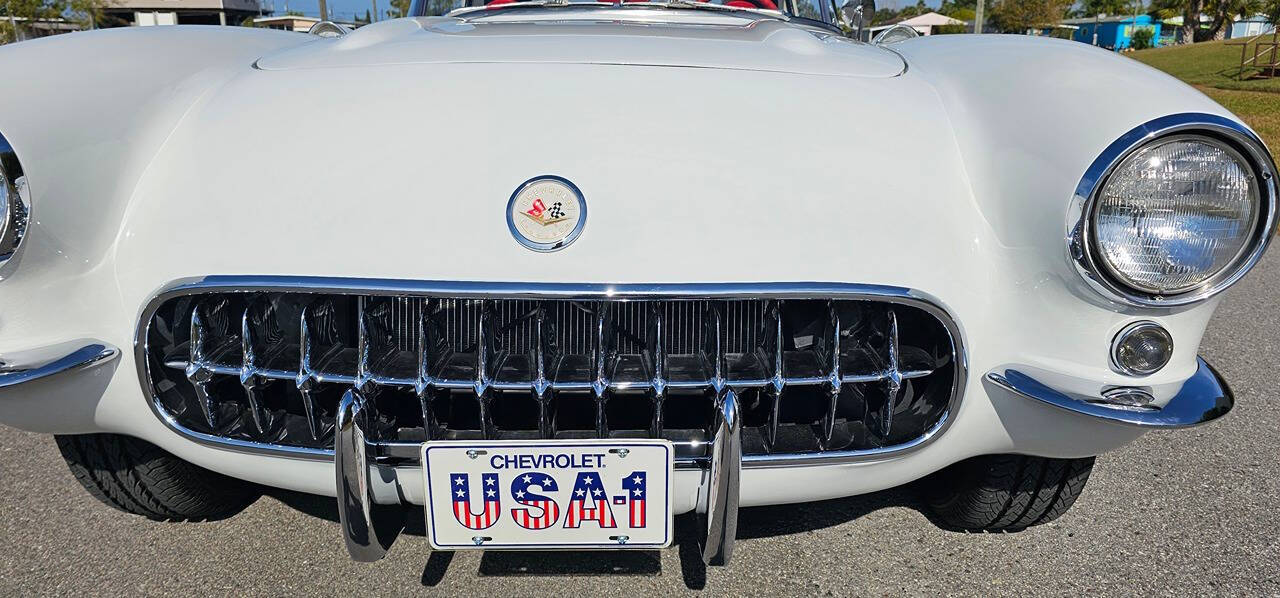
x: 1141, y: 349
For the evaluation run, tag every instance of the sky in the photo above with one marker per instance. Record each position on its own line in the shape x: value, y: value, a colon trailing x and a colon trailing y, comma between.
x: 346, y: 10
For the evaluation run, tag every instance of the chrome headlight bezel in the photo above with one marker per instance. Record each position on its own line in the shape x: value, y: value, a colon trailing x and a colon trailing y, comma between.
x: 15, y: 203
x: 1081, y: 243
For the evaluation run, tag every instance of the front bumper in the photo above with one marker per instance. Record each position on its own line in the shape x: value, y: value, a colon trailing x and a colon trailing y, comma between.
x: 369, y: 526
x: 1203, y: 398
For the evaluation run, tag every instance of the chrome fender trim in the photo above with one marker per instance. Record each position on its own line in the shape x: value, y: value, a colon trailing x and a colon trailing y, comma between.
x: 1203, y: 398
x: 22, y: 367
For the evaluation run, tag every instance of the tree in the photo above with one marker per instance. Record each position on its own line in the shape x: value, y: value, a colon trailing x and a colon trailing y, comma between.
x: 399, y: 8
x: 1190, y: 21
x: 87, y: 13
x: 1166, y: 9
x: 1019, y: 16
x: 1224, y: 12
x: 1090, y: 8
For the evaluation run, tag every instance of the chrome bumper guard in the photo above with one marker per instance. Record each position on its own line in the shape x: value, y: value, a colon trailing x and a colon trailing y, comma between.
x: 23, y: 367
x: 1204, y: 397
x: 369, y: 529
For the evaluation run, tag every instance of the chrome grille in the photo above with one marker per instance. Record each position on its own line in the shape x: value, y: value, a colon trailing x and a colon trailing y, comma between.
x: 252, y: 364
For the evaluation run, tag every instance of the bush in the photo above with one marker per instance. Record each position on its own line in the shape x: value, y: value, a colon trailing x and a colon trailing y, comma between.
x: 1142, y: 39
x: 944, y: 29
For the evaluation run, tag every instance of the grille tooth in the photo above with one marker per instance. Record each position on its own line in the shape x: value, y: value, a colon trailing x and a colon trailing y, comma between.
x: 815, y: 374
x: 250, y: 379
x: 602, y: 357
x: 306, y: 379
x: 658, y: 357
x: 484, y: 353
x: 834, y: 383
x: 197, y: 370
x: 541, y: 382
x: 777, y: 380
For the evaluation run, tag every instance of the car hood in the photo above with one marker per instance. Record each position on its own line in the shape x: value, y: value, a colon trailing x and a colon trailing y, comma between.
x: 648, y: 37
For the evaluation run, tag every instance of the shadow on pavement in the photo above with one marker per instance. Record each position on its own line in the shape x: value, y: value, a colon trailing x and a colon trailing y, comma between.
x: 755, y: 522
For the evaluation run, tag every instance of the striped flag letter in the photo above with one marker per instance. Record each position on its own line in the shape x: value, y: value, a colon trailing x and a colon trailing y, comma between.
x: 637, y: 490
x: 588, y: 502
x: 462, y: 510
x: 538, y: 512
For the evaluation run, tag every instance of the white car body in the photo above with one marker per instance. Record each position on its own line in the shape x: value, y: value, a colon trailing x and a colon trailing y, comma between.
x: 712, y: 148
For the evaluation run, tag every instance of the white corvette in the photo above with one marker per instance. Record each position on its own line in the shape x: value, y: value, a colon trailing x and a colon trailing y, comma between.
x: 555, y: 271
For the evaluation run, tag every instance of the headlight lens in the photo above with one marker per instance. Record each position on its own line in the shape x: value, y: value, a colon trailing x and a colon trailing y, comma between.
x: 15, y: 203
x: 1176, y: 213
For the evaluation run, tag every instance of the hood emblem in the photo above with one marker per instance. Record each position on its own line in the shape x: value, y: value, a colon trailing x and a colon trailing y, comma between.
x: 546, y: 213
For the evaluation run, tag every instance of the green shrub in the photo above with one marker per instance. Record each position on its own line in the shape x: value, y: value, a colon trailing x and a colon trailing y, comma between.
x: 944, y: 29
x: 1142, y: 39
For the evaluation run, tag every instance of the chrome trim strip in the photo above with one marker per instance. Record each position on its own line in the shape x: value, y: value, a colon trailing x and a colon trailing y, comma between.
x: 15, y: 204
x: 1079, y: 215
x: 1203, y: 398
x: 720, y: 492
x: 584, y: 291
x: 22, y: 367
x: 366, y: 531
x: 328, y: 29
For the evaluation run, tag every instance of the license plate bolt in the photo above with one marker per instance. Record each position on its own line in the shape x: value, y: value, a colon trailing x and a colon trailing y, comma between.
x: 620, y: 539
x: 480, y: 539
x: 621, y: 452
x: 473, y: 453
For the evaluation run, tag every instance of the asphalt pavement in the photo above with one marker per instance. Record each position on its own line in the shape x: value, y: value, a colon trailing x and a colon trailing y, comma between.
x: 1193, y: 512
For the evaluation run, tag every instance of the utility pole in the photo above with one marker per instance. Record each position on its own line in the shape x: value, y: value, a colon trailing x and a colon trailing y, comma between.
x: 977, y: 16
x: 324, y: 11
x: 374, y: 17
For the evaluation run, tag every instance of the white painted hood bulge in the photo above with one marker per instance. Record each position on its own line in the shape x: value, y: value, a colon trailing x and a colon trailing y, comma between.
x: 688, y: 39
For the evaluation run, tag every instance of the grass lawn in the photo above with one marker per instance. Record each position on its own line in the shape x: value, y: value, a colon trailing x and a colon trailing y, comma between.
x: 1260, y: 109
x: 1213, y: 64
x: 1211, y: 67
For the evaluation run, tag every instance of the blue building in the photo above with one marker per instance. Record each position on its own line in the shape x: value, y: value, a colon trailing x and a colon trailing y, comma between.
x: 1249, y: 27
x: 1113, y: 33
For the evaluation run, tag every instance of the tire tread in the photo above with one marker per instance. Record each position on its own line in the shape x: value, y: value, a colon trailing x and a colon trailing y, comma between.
x: 994, y: 493
x: 138, y: 477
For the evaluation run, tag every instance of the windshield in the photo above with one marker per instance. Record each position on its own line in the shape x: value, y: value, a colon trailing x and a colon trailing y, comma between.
x: 810, y: 10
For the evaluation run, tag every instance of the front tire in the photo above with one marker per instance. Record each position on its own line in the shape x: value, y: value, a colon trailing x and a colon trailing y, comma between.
x: 998, y: 493
x: 138, y: 477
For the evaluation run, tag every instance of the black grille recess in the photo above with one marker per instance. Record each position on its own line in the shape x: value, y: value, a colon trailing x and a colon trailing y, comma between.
x: 813, y: 375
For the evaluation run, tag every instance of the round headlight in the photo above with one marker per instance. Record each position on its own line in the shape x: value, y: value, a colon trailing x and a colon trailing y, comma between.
x: 14, y: 202
x: 1174, y: 211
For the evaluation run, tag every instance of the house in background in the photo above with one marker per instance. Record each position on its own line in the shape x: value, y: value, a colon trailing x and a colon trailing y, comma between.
x: 1249, y: 27
x: 33, y: 28
x: 1113, y: 33
x: 295, y: 23
x: 924, y: 24
x: 182, y: 12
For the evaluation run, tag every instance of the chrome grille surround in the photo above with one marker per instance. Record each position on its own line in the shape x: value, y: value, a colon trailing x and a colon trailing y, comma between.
x: 228, y: 360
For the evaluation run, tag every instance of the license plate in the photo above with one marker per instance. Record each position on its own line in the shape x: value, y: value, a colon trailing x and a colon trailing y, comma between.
x: 548, y: 494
